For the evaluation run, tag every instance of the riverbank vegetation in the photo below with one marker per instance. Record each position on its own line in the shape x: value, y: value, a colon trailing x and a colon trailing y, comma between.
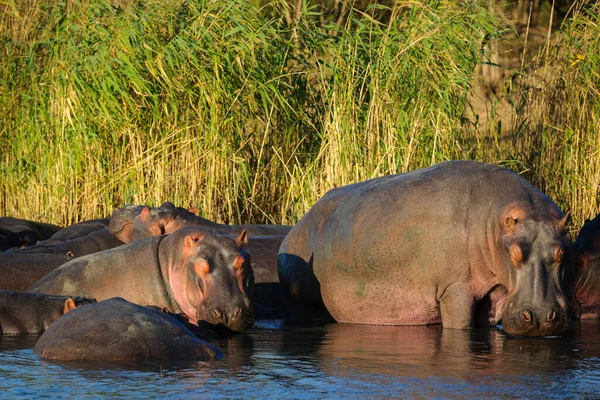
x: 252, y: 110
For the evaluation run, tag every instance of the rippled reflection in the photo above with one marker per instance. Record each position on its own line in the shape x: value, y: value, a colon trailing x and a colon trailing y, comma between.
x: 345, y: 360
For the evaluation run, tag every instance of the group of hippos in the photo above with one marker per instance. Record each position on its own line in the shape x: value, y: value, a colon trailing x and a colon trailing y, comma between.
x: 460, y: 243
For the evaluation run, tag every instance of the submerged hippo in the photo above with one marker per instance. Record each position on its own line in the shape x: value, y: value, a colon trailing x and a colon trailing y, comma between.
x: 587, y: 267
x: 424, y: 247
x: 16, y: 232
x: 205, y: 275
x: 115, y: 330
x: 22, y: 313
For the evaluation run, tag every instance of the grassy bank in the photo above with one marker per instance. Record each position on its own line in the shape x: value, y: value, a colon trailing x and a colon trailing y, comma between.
x: 252, y: 116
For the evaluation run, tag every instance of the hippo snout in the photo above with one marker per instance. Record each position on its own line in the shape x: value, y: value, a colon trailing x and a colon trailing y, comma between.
x: 237, y: 318
x: 549, y: 320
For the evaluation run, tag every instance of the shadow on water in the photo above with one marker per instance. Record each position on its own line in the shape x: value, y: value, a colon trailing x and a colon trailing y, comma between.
x: 273, y: 360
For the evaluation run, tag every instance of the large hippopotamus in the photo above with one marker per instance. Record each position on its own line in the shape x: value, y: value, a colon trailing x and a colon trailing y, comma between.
x: 587, y: 269
x: 23, y: 313
x: 20, y: 271
x: 16, y: 232
x: 207, y: 276
x: 424, y: 247
x: 117, y: 330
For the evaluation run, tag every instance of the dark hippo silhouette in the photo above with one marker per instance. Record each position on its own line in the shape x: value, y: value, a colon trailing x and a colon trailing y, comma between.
x: 115, y: 329
x: 77, y: 230
x: 424, y: 247
x: 587, y: 268
x: 16, y: 232
x: 23, y: 313
x: 20, y: 271
x: 207, y: 276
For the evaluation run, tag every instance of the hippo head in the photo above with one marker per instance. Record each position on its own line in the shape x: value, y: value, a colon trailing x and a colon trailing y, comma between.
x: 74, y: 302
x: 210, y: 277
x: 132, y: 223
x: 537, y: 250
x: 587, y: 268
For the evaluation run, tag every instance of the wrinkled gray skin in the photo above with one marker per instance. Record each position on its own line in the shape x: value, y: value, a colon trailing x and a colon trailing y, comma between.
x: 424, y: 247
x: 207, y: 276
x: 15, y: 232
x: 587, y: 269
x: 32, y: 313
x: 20, y: 271
x: 94, y: 242
x: 117, y: 330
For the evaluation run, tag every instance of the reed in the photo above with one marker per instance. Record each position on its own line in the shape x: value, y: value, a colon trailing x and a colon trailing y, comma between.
x: 251, y: 113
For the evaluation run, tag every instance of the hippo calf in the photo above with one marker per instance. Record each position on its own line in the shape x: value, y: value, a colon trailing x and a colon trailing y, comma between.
x: 205, y: 275
x: 424, y: 247
x: 23, y: 313
x: 587, y: 269
x: 117, y: 330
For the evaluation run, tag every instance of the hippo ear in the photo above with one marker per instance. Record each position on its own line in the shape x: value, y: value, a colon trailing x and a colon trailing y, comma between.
x: 193, y: 210
x: 191, y: 240
x: 510, y: 223
x: 145, y: 214
x: 69, y: 305
x: 565, y: 221
x: 242, y: 238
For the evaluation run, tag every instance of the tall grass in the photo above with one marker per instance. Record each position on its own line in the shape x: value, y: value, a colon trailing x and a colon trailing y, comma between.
x: 251, y: 117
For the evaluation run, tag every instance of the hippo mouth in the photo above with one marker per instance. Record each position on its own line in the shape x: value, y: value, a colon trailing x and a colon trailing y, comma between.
x: 237, y: 320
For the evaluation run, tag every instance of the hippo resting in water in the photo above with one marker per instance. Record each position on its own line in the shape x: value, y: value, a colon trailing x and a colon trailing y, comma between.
x: 116, y: 329
x: 22, y: 313
x: 587, y: 269
x: 16, y: 232
x: 134, y: 222
x: 207, y: 276
x: 424, y: 247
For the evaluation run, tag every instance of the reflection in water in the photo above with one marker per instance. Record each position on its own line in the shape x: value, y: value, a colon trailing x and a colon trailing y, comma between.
x: 341, y: 359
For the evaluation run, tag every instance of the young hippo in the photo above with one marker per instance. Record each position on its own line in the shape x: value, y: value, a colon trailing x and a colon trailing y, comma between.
x: 205, y: 275
x: 587, y: 268
x: 117, y: 330
x: 23, y: 313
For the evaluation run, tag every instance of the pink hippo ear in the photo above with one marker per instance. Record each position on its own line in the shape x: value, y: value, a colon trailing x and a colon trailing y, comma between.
x: 144, y: 214
x: 69, y: 305
x: 193, y: 239
x: 565, y: 221
x: 242, y: 238
x: 193, y: 210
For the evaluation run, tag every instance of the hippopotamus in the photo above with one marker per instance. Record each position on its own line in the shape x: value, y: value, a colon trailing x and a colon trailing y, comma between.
x: 77, y: 230
x: 425, y: 246
x: 135, y: 222
x: 20, y: 271
x: 92, y: 243
x: 23, y: 313
x: 117, y: 330
x: 16, y: 232
x: 167, y: 219
x: 587, y: 268
x: 207, y: 276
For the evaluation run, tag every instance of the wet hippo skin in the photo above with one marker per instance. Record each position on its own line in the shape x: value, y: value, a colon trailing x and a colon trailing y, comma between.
x: 424, y: 247
x: 116, y: 329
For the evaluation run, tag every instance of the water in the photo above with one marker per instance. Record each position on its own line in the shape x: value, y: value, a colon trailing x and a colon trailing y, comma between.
x: 338, y: 360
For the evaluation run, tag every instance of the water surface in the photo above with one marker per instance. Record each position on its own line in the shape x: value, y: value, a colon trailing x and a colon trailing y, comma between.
x: 337, y: 360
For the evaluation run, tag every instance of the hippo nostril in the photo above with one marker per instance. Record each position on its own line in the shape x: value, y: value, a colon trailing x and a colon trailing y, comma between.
x: 218, y: 313
x: 527, y: 315
x: 237, y: 313
x: 552, y: 315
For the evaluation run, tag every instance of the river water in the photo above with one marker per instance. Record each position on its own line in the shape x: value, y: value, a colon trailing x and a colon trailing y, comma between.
x: 337, y: 360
